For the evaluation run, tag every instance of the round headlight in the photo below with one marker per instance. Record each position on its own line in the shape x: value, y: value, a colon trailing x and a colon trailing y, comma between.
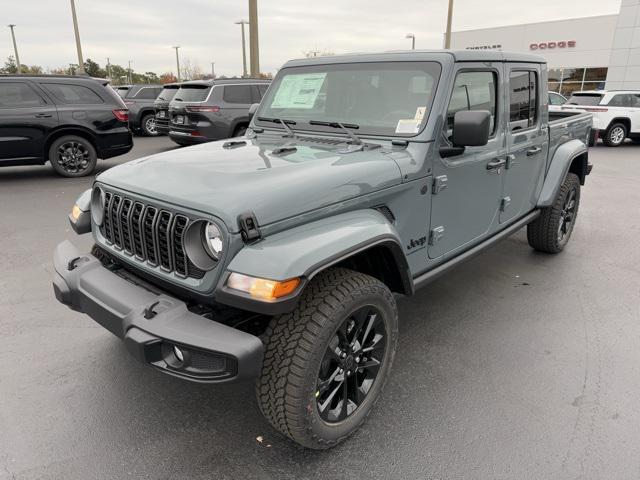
x: 212, y: 241
x: 97, y: 205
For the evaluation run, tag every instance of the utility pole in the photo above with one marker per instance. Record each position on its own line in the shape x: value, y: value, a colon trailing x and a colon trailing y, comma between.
x: 413, y: 40
x: 447, y: 38
x: 77, y: 32
x: 15, y: 48
x: 130, y: 76
x: 253, y: 38
x: 242, y: 23
x: 177, y: 61
x: 108, y: 68
x: 213, y: 72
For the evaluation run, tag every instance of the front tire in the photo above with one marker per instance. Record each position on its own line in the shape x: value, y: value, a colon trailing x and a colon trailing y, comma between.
x: 326, y: 362
x: 148, y: 125
x: 550, y: 232
x: 615, y: 135
x: 73, y: 156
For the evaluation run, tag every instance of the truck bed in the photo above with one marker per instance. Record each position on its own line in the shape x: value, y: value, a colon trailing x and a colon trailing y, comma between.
x: 567, y: 125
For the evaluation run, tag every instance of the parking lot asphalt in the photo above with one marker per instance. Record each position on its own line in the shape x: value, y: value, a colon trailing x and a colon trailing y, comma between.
x: 515, y: 365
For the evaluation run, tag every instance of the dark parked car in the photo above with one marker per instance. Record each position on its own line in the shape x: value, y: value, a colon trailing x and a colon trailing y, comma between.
x: 161, y: 106
x: 70, y: 121
x: 139, y: 100
x: 206, y: 110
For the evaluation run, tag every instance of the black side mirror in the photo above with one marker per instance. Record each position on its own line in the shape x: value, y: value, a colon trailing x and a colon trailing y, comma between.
x: 252, y: 110
x: 471, y: 128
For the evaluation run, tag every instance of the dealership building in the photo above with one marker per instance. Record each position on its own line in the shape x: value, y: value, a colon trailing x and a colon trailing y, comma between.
x: 582, y: 53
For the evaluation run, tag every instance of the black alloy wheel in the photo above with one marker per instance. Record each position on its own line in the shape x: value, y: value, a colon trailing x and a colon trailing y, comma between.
x: 72, y: 156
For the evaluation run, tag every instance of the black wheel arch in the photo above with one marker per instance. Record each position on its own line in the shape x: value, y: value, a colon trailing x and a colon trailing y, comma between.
x: 580, y: 166
x: 623, y: 120
x: 69, y: 130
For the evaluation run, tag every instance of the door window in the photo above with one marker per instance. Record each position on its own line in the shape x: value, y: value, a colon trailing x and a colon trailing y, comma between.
x: 473, y: 91
x: 147, y: 93
x: 523, y: 100
x: 18, y: 95
x: 237, y: 94
x: 73, y: 94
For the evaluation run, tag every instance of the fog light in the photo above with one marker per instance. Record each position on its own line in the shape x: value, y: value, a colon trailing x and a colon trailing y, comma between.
x: 178, y: 353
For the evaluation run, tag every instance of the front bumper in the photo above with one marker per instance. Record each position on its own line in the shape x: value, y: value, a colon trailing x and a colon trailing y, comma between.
x: 152, y: 323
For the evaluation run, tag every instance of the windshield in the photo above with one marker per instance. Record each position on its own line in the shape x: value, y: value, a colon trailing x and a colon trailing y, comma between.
x: 192, y: 93
x: 122, y: 91
x: 585, y: 99
x: 385, y: 98
x: 167, y: 93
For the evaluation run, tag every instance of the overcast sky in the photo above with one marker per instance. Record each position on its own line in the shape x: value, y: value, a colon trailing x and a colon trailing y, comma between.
x: 144, y: 30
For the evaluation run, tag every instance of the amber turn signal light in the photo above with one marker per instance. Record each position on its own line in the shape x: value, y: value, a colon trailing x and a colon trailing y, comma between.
x: 262, y: 288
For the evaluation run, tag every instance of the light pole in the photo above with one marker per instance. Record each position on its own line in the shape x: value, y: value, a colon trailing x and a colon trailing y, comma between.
x: 213, y: 72
x: 242, y: 23
x: 108, y: 68
x: 253, y: 38
x: 447, y: 38
x: 77, y: 32
x: 15, y: 47
x: 130, y: 76
x: 413, y: 40
x: 177, y: 61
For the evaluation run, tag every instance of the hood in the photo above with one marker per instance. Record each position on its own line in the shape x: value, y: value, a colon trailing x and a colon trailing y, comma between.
x: 226, y: 182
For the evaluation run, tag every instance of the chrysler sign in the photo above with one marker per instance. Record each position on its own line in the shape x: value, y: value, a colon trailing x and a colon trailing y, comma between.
x: 553, y: 45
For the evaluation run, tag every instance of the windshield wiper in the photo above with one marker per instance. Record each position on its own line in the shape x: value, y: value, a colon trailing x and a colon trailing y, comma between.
x: 285, y: 124
x: 344, y: 126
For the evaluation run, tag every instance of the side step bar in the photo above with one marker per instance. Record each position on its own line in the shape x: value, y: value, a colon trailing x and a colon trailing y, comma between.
x: 429, y: 276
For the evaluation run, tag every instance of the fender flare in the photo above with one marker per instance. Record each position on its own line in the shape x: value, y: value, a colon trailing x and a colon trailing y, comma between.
x: 558, y: 169
x: 306, y: 250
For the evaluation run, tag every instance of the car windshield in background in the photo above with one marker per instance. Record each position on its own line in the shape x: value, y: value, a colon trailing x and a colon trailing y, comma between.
x: 584, y: 99
x: 192, y: 93
x: 390, y: 98
x: 167, y: 93
x: 122, y: 91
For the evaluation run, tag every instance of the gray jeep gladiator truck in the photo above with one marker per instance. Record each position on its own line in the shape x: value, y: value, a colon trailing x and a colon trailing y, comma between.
x: 278, y: 256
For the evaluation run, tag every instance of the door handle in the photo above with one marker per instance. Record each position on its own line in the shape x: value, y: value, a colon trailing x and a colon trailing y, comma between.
x: 43, y: 115
x: 496, y: 164
x: 533, y: 151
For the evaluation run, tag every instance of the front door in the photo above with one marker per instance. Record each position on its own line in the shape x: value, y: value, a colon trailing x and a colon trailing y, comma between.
x: 467, y: 187
x: 25, y: 120
x: 527, y: 141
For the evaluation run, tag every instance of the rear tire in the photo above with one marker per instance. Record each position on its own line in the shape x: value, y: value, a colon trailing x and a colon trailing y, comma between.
x: 148, y: 125
x: 240, y: 131
x: 73, y: 156
x: 615, y: 135
x: 344, y: 320
x: 550, y: 232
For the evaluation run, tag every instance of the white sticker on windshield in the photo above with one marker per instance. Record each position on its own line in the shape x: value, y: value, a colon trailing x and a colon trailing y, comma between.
x: 410, y: 125
x: 298, y: 91
x: 420, y: 111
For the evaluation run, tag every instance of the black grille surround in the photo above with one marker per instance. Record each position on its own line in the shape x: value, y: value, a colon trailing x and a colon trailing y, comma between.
x: 148, y: 234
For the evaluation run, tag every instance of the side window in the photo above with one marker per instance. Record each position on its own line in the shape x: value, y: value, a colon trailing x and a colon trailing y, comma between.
x: 473, y: 91
x: 523, y: 100
x: 237, y: 94
x: 263, y: 89
x: 556, y: 99
x: 18, y: 95
x: 146, y: 93
x: 73, y: 94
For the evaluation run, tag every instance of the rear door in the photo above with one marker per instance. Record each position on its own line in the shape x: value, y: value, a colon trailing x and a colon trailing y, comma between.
x: 26, y: 117
x: 527, y: 140
x: 467, y: 187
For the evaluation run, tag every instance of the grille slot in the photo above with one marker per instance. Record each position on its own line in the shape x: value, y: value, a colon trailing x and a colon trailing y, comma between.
x: 150, y: 234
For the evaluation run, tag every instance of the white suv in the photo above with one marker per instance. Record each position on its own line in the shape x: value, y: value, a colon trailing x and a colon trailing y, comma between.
x: 616, y: 113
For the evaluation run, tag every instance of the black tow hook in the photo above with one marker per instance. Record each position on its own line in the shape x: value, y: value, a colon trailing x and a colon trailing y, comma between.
x: 149, y: 312
x: 73, y: 263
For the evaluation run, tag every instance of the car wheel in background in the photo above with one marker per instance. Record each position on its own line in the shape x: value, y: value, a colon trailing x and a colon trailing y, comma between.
x: 325, y: 363
x: 615, y: 135
x: 148, y: 125
x: 240, y: 131
x: 550, y: 232
x: 73, y: 156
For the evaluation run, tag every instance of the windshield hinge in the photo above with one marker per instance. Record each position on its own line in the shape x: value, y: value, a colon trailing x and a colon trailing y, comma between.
x: 249, y: 226
x: 439, y: 184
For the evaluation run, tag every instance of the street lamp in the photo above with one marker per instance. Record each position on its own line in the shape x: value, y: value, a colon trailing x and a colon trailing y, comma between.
x: 177, y: 61
x: 242, y: 23
x: 413, y: 40
x: 130, y: 76
x: 447, y: 38
x: 77, y: 33
x: 15, y: 47
x: 213, y: 71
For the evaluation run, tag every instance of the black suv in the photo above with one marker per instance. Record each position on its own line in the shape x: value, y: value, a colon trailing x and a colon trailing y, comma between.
x: 71, y: 121
x: 139, y: 100
x: 161, y: 106
x: 206, y: 110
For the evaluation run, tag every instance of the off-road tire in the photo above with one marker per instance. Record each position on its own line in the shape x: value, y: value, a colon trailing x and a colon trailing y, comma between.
x: 145, y: 128
x: 543, y: 232
x: 294, y: 347
x: 73, y: 168
x: 615, y: 135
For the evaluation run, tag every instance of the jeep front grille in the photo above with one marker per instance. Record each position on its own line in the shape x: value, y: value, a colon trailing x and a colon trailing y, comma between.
x: 147, y: 233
